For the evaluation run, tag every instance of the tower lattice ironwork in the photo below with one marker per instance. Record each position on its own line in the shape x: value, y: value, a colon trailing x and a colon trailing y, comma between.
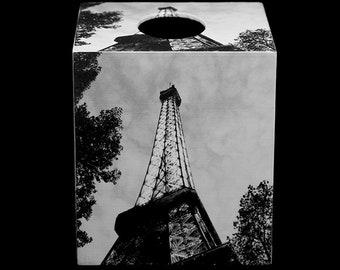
x: 168, y: 168
x: 168, y: 224
x: 156, y: 40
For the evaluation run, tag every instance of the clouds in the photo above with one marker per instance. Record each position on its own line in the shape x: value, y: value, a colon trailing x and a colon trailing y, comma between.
x: 227, y: 113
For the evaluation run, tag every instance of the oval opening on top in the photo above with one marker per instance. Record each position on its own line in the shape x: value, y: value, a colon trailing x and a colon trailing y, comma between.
x: 171, y: 27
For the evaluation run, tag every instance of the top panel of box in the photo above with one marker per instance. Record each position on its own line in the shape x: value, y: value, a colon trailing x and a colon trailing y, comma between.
x: 182, y: 27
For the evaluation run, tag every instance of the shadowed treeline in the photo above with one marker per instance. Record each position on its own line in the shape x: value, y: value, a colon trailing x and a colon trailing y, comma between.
x: 97, y: 141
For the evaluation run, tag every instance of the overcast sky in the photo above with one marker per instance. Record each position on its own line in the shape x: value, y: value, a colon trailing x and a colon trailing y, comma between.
x: 224, y: 21
x: 227, y: 113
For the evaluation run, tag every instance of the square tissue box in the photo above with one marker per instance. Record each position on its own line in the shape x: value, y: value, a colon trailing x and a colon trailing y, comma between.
x: 174, y: 107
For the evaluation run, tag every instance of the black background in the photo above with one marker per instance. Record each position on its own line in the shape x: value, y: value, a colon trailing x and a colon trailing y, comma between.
x: 42, y: 197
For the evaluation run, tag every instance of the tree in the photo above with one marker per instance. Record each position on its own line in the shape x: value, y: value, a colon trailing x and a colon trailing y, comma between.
x: 253, y: 238
x: 256, y: 40
x: 97, y: 142
x: 97, y: 145
x: 89, y: 22
x: 86, y: 69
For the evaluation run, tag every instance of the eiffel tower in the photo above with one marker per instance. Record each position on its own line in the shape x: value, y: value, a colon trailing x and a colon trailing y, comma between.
x: 168, y: 224
x: 167, y: 22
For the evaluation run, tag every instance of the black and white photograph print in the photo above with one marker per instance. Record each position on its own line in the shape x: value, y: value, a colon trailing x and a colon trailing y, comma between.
x: 225, y: 27
x: 174, y: 148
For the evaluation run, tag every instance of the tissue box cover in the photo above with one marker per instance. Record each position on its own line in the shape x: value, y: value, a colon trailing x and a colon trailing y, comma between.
x: 225, y: 80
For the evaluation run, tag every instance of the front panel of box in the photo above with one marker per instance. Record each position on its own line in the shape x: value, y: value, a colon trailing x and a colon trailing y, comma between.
x: 160, y: 109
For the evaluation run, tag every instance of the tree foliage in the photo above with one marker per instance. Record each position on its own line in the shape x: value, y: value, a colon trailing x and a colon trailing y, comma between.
x: 97, y: 142
x: 89, y: 22
x: 256, y: 40
x: 97, y: 145
x: 86, y: 69
x: 252, y: 241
